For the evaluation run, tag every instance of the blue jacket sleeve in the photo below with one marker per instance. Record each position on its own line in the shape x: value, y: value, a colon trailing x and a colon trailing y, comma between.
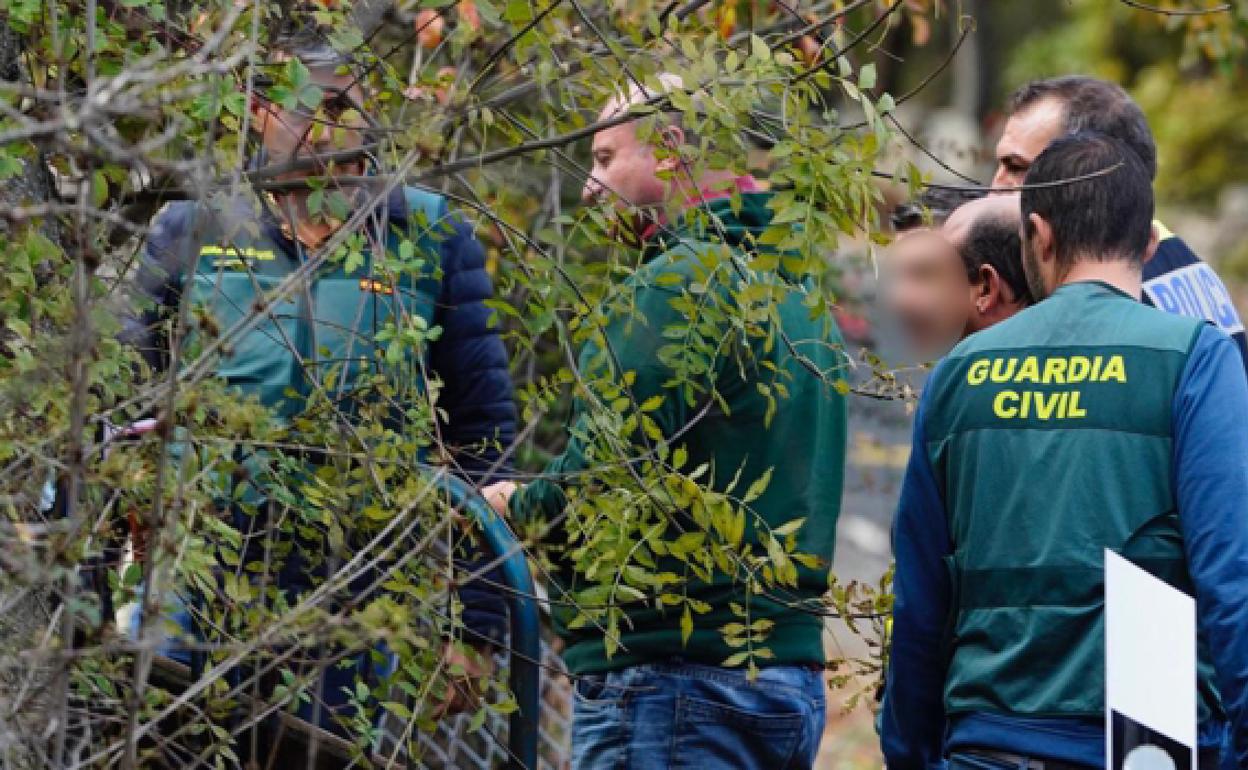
x: 912, y: 716
x: 1211, y: 483
x: 479, y: 405
x: 471, y: 361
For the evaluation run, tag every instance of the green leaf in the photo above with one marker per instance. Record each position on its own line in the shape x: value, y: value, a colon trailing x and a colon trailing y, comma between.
x: 310, y: 96
x: 687, y: 543
x: 866, y: 77
x: 517, y: 12
x: 400, y: 710
x: 99, y: 189
x: 789, y: 527
x: 757, y: 488
x: 338, y: 205
x: 283, y: 97
x: 235, y: 103
x: 9, y: 166
x: 297, y: 73
x: 133, y: 575
x: 680, y: 457
x: 736, y: 659
x: 759, y: 49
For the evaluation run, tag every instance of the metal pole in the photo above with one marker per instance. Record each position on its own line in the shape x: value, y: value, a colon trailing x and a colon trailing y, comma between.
x: 525, y: 642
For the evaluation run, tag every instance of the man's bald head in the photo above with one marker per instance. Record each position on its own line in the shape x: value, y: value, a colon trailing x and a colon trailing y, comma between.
x: 1002, y: 210
x: 987, y: 234
x: 639, y: 93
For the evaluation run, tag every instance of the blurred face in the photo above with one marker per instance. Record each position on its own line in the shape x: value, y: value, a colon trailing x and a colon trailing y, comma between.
x: 334, y: 125
x: 625, y: 175
x: 1026, y: 134
x: 928, y: 291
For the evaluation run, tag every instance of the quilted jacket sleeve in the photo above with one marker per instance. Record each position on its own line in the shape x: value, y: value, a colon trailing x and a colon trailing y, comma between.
x: 471, y: 361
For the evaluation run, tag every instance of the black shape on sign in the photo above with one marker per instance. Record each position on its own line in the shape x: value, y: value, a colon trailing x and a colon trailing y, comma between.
x: 1136, y: 747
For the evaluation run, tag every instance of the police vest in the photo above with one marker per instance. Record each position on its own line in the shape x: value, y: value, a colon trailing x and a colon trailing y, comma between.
x: 1050, y: 436
x: 1179, y: 282
x: 327, y: 331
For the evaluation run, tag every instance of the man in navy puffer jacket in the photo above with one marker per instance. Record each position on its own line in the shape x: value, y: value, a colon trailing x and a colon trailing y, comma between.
x: 317, y: 346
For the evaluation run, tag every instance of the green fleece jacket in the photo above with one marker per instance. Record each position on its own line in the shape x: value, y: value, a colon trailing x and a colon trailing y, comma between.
x: 798, y: 438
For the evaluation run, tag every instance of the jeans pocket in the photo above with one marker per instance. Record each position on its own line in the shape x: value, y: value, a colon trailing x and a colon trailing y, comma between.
x: 595, y: 693
x: 716, y: 734
x: 599, y: 724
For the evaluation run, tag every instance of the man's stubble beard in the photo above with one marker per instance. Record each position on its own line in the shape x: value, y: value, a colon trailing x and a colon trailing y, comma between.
x: 1031, y: 270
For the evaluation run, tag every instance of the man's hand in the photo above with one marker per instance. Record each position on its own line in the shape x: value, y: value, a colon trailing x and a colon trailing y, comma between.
x: 498, y: 494
x: 465, y: 668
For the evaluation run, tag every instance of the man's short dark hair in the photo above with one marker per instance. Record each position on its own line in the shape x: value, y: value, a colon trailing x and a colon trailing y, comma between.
x: 1106, y: 215
x: 932, y: 207
x: 1092, y: 104
x: 994, y: 240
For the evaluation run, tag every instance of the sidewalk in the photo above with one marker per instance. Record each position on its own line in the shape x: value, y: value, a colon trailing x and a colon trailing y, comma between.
x: 849, y: 742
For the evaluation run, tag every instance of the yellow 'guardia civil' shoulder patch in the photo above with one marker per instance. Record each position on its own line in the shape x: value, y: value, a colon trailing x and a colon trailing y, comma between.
x: 235, y: 256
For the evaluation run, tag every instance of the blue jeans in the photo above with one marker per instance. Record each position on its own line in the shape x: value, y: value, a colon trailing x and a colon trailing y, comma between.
x: 682, y: 715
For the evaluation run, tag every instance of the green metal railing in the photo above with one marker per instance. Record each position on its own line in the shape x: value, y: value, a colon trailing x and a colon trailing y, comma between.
x: 525, y: 642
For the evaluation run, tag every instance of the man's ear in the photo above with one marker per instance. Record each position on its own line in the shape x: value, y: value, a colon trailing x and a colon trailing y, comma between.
x: 990, y: 290
x: 673, y: 137
x: 1154, y: 238
x: 1041, y: 237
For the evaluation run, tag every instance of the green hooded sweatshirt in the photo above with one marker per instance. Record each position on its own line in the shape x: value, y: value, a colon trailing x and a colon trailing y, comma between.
x: 798, y: 438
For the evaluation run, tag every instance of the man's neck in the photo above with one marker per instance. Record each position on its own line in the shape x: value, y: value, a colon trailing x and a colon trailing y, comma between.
x: 312, y: 233
x: 1121, y: 274
x: 685, y: 195
x: 292, y: 214
x: 1001, y: 311
x: 709, y: 186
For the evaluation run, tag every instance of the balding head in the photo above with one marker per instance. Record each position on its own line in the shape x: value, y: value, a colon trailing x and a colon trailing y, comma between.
x: 652, y: 177
x: 639, y: 93
x: 1002, y: 210
x: 987, y: 235
x: 626, y: 168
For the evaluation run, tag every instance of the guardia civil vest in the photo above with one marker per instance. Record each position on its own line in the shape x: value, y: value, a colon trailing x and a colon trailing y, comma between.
x: 1050, y: 437
x: 329, y: 334
x: 328, y: 331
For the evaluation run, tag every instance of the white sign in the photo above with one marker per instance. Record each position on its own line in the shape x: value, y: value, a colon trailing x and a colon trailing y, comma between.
x: 1150, y: 670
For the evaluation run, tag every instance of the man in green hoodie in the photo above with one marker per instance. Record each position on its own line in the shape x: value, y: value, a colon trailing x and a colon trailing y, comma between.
x: 673, y: 681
